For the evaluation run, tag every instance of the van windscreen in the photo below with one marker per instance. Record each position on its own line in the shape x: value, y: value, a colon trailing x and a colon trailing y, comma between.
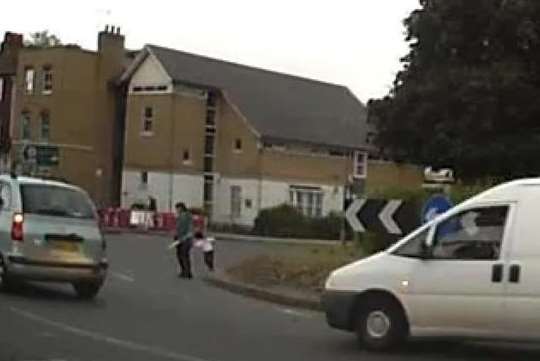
x: 55, y: 201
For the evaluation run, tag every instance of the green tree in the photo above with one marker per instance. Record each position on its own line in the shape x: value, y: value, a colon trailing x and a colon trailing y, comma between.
x: 467, y: 96
x: 42, y: 39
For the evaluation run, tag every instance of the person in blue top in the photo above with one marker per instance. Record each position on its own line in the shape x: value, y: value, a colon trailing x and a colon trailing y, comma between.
x: 184, y: 236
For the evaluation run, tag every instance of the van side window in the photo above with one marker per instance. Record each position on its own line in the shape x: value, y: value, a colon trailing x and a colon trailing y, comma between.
x: 475, y: 234
x: 413, y: 248
x: 5, y: 194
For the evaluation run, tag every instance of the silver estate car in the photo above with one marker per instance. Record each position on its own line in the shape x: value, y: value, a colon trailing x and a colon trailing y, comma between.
x: 49, y: 232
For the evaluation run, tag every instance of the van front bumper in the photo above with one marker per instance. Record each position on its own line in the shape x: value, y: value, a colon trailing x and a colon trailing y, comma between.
x: 338, y: 306
x: 27, y: 269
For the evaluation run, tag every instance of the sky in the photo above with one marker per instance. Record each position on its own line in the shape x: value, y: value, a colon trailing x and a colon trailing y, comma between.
x: 356, y: 43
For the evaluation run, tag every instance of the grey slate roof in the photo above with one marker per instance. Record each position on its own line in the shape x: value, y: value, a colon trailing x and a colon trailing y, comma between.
x: 278, y: 106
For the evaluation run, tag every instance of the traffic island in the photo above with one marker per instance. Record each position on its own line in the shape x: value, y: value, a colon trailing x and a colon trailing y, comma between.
x: 294, y: 279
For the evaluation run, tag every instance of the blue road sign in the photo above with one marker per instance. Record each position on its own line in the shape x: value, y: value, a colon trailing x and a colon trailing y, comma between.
x: 434, y: 206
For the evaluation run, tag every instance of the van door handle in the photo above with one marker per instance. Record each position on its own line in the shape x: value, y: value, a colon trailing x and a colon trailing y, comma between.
x: 497, y: 273
x: 515, y: 272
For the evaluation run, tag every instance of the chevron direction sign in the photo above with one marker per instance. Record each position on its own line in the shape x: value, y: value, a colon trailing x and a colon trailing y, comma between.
x: 392, y: 217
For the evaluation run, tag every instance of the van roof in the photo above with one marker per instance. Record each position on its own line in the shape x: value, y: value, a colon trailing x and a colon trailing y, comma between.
x: 505, y: 191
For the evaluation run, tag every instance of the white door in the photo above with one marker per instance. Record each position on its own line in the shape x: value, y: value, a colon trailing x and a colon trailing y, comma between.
x: 459, y: 288
x: 236, y: 202
x: 522, y: 274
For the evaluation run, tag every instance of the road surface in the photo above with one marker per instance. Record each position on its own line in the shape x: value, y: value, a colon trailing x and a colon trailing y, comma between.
x: 146, y: 313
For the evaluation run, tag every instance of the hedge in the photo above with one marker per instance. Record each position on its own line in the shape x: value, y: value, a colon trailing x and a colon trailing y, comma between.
x: 287, y: 221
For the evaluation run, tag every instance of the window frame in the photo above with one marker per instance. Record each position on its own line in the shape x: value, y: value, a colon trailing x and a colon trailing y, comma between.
x: 186, y: 160
x: 45, y: 115
x: 2, y: 82
x: 144, y: 179
x: 238, y: 146
x: 29, y: 82
x: 475, y: 207
x: 47, y: 88
x: 145, y: 119
x: 26, y: 126
x: 356, y: 159
x: 307, y: 200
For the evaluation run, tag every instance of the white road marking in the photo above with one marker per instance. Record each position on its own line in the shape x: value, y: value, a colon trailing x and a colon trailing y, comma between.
x: 290, y: 311
x: 129, y: 345
x: 122, y: 277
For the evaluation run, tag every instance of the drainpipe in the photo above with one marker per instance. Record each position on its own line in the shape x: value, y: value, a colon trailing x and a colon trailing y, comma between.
x: 171, y: 155
x: 259, y: 186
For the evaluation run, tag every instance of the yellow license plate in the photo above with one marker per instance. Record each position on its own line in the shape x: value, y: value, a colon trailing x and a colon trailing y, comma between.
x: 65, y: 246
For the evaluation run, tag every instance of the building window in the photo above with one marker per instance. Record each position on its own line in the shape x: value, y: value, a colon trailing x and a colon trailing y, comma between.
x: 209, y: 145
x: 144, y: 179
x: 208, y: 190
x: 308, y: 200
x: 26, y: 130
x: 186, y: 157
x: 1, y: 89
x: 360, y: 164
x: 148, y: 121
x: 210, y: 118
x: 238, y: 145
x: 211, y: 100
x: 236, y: 201
x: 208, y: 164
x: 45, y: 127
x: 29, y: 80
x: 47, y: 80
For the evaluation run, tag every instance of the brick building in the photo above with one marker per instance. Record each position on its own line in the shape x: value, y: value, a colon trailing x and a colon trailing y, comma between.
x: 235, y: 139
x: 66, y: 114
x: 232, y: 139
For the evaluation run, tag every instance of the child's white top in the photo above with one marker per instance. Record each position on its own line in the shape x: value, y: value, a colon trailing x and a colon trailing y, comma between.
x: 206, y: 244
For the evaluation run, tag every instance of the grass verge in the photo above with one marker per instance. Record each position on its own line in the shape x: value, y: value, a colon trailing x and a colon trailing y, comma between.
x: 304, y: 270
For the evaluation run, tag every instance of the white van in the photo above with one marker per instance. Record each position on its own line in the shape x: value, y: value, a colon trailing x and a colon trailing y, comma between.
x: 473, y: 272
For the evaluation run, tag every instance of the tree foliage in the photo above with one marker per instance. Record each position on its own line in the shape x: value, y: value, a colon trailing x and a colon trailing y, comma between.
x: 42, y: 39
x: 468, y: 95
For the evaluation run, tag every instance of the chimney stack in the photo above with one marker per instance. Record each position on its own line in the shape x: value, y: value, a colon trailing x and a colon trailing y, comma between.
x: 12, y: 41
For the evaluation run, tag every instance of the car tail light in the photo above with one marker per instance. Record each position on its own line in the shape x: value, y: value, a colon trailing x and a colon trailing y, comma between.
x: 17, y: 233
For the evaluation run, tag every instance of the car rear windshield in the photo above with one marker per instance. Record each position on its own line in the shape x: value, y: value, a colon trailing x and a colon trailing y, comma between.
x: 56, y: 201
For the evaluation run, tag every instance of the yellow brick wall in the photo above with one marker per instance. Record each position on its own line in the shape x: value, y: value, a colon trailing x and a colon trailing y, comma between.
x: 384, y: 175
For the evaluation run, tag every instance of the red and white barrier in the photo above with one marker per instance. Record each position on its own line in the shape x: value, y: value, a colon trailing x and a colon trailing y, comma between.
x: 118, y: 219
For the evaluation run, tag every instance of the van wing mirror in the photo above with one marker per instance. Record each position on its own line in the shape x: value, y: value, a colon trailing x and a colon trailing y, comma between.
x: 1, y: 203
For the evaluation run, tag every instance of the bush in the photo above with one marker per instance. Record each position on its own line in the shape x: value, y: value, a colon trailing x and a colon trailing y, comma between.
x: 286, y: 221
x: 462, y: 192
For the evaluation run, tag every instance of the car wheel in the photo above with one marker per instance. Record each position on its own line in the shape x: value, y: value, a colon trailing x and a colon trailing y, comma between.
x: 87, y: 290
x: 9, y: 284
x: 381, y: 324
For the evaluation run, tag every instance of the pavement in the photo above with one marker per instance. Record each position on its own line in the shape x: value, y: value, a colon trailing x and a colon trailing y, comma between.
x: 146, y: 313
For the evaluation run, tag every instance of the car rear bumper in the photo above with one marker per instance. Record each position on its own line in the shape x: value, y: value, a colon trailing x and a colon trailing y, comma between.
x: 28, y: 269
x: 338, y: 306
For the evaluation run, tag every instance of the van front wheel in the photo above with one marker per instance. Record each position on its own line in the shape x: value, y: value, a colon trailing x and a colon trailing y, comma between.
x: 380, y: 324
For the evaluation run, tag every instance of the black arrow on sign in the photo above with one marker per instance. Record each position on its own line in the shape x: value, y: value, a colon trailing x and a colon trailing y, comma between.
x: 392, y: 217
